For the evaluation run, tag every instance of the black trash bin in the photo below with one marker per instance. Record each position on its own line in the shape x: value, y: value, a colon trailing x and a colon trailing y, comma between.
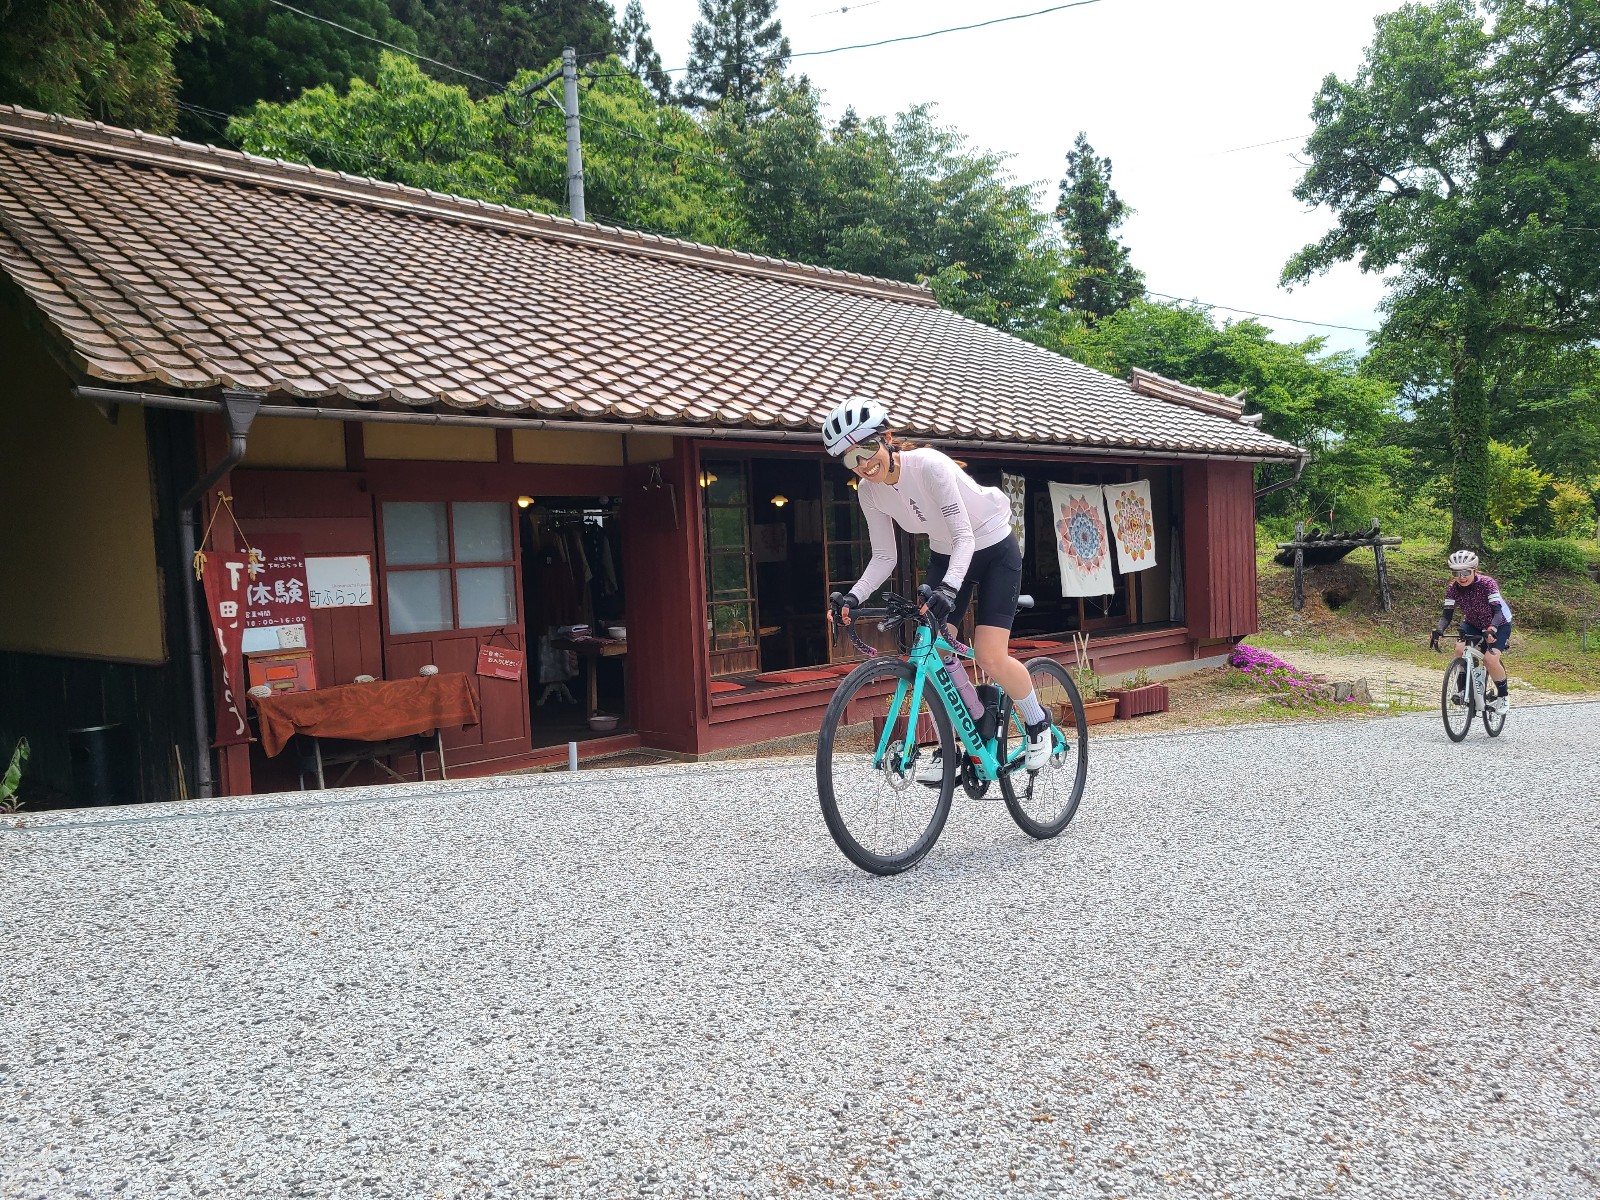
x: 104, y: 770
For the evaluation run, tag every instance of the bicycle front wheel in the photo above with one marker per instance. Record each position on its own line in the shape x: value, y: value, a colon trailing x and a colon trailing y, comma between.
x: 1042, y: 802
x: 880, y: 814
x: 1455, y: 700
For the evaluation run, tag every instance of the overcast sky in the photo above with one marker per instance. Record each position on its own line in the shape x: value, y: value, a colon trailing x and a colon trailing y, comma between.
x: 1168, y: 89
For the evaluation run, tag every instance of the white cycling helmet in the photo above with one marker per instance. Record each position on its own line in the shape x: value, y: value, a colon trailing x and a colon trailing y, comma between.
x: 1462, y: 560
x: 851, y: 423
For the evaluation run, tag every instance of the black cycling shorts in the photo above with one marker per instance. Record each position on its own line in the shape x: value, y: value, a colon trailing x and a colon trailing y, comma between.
x: 996, y: 572
x: 1502, y: 637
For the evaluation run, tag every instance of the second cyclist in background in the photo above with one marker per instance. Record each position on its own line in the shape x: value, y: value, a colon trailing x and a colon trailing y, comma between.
x: 969, y: 533
x: 1476, y: 599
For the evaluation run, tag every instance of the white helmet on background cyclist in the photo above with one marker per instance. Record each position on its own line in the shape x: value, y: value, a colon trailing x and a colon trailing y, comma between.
x: 1463, y: 560
x: 851, y: 423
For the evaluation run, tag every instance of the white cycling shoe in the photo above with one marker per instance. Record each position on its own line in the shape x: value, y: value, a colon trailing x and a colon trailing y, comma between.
x: 1040, y: 746
x: 930, y: 770
x: 1500, y: 704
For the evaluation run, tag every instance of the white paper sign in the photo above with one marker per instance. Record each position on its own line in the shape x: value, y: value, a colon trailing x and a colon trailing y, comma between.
x: 343, y: 582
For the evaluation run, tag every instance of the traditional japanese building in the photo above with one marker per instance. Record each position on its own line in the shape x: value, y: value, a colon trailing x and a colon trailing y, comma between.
x: 506, y: 425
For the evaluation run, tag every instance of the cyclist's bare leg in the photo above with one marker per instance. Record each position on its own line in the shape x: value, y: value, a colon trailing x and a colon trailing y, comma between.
x: 990, y: 643
x: 1497, y: 670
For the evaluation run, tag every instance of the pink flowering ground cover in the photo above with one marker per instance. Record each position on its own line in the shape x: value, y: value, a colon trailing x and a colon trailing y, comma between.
x: 1289, y: 685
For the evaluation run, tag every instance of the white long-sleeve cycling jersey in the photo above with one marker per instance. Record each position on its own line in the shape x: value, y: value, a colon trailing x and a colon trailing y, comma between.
x: 935, y: 497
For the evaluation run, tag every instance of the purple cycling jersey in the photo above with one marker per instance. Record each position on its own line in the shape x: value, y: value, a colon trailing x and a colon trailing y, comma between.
x: 1479, y: 603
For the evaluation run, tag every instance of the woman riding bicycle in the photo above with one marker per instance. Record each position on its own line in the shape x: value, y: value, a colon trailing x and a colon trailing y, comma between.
x: 969, y: 532
x: 1484, y: 613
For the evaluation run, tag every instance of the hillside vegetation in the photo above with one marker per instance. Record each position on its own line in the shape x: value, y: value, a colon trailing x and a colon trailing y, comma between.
x: 1550, y: 605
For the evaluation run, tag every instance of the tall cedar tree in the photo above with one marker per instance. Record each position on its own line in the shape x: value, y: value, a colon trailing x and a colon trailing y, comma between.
x: 109, y: 60
x: 1460, y: 160
x: 1090, y: 212
x: 638, y: 50
x: 496, y: 40
x: 735, y: 46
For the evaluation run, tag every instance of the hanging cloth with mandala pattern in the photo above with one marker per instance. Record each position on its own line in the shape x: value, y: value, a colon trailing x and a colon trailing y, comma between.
x: 1132, y: 525
x: 1083, y: 544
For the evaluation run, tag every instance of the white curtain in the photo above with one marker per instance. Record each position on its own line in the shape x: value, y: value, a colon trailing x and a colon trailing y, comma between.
x: 1016, y: 489
x: 1083, y: 544
x: 1132, y: 526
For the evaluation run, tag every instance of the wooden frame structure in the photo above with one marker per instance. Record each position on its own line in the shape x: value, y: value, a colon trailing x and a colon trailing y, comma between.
x: 1333, y: 548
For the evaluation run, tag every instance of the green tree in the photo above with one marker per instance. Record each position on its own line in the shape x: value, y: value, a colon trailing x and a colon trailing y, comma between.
x: 903, y: 200
x: 735, y: 48
x: 262, y: 52
x: 644, y: 165
x: 1090, y: 212
x: 1460, y: 159
x: 638, y: 50
x: 1323, y: 402
x: 1515, y: 485
x: 110, y: 60
x: 496, y: 39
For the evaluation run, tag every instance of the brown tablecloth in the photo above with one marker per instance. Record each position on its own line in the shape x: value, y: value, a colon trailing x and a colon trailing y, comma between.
x: 368, y: 712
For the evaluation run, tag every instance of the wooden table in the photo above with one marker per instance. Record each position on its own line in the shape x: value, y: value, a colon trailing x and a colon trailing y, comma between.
x: 364, y: 722
x: 592, y: 650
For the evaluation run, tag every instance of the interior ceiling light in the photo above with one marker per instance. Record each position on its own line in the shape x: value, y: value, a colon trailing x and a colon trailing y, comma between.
x: 524, y: 501
x: 779, y: 501
x: 707, y: 478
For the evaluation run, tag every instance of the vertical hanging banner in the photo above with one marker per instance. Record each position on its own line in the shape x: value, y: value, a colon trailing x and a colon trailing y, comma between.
x: 1016, y: 489
x: 1131, y: 522
x: 226, y: 579
x: 1083, y: 544
x: 277, y: 613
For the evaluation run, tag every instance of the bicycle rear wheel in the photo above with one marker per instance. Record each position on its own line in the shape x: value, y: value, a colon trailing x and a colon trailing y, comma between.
x: 1042, y: 802
x: 1455, y: 700
x: 881, y: 817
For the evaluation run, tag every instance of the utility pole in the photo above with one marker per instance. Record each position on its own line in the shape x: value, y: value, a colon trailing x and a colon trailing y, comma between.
x: 569, y: 93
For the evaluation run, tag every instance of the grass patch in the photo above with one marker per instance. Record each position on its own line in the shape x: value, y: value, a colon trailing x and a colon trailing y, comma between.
x: 1343, y: 614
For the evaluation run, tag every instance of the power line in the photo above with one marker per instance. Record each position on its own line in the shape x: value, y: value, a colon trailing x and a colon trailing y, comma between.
x: 914, y: 37
x: 1264, y: 316
x: 400, y: 49
x: 910, y: 37
x: 1300, y: 137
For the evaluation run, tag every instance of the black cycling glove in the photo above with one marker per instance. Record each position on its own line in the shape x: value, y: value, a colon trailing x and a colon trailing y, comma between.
x: 941, y: 603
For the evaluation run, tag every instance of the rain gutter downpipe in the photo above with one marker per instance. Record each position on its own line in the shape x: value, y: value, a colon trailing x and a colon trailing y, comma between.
x: 1299, y: 466
x: 238, y: 411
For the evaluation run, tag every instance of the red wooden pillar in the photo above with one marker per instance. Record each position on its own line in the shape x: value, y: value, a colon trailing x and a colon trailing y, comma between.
x: 666, y: 607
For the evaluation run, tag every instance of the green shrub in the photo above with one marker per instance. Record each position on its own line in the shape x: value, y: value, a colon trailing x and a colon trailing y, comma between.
x: 1521, y: 559
x: 1551, y: 618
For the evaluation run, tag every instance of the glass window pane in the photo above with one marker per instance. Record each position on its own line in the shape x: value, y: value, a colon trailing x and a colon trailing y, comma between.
x: 845, y: 563
x: 419, y: 601
x: 845, y: 523
x: 726, y: 528
x: 485, y: 596
x: 415, y: 534
x: 728, y: 486
x: 731, y: 625
x: 728, y: 578
x: 483, y: 532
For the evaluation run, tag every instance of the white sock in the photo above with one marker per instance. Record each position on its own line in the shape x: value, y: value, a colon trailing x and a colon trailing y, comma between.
x: 1032, y: 711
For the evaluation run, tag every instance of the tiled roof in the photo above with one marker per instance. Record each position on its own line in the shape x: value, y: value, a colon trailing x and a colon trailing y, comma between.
x: 156, y: 260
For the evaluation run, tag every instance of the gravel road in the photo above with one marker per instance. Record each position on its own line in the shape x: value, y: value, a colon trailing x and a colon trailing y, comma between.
x: 1341, y: 959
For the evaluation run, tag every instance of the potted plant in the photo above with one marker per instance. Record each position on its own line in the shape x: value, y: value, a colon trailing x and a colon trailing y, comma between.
x: 1139, y: 697
x: 1097, y: 706
x: 11, y: 781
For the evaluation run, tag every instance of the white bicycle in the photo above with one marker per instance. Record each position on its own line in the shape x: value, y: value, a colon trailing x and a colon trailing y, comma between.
x: 1464, y: 695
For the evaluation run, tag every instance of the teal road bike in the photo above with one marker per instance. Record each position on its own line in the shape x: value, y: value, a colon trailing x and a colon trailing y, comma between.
x: 898, y: 737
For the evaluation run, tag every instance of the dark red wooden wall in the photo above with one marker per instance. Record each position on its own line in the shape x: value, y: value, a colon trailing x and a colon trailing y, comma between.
x: 1219, y: 533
